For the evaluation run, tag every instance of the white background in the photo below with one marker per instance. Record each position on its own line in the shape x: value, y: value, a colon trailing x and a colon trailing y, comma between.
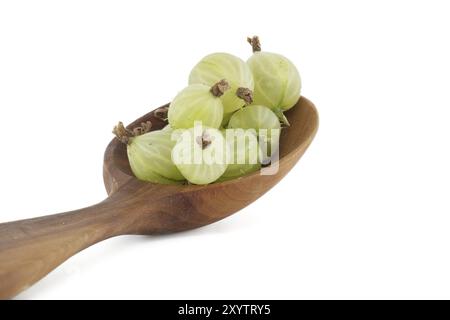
x: 365, y: 213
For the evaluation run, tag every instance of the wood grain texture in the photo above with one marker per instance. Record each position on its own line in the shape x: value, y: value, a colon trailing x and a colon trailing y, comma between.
x: 30, y: 249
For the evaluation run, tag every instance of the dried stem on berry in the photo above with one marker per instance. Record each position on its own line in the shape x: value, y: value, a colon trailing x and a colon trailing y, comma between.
x: 220, y: 87
x: 204, y: 140
x: 142, y: 129
x: 125, y: 135
x: 245, y: 94
x: 254, y: 42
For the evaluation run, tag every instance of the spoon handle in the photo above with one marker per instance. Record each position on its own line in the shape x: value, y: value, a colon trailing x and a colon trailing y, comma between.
x: 30, y: 249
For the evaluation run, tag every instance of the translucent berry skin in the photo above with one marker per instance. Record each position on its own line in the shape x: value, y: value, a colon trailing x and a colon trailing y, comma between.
x: 218, y: 66
x: 195, y: 103
x: 254, y: 117
x: 204, y: 172
x: 226, y: 119
x: 150, y: 158
x: 277, y: 80
x: 259, y: 117
x: 244, y: 158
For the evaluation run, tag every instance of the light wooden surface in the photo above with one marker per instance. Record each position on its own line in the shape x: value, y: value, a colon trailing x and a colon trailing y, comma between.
x: 30, y: 249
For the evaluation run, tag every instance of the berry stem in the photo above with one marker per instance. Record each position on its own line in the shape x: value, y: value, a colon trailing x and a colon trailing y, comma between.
x: 245, y: 94
x: 125, y: 135
x: 204, y: 140
x: 282, y: 117
x: 220, y: 87
x: 255, y: 43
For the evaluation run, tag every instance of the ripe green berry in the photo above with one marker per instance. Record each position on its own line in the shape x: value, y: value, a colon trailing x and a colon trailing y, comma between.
x: 198, y: 102
x: 149, y: 153
x: 200, y: 155
x: 217, y: 66
x: 277, y: 80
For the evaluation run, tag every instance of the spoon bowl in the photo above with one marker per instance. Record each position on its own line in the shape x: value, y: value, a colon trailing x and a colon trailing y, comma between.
x: 183, y: 207
x: 30, y: 249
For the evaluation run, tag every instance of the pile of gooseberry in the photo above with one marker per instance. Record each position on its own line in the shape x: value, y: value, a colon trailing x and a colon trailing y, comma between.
x: 225, y: 124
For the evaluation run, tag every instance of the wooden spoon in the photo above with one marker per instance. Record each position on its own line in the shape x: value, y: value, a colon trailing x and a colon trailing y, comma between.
x: 30, y: 249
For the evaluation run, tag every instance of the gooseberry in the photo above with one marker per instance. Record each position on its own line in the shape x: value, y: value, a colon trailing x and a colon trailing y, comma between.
x: 200, y: 155
x: 198, y: 102
x: 217, y: 66
x: 149, y: 153
x: 266, y: 124
x: 254, y: 117
x: 244, y: 153
x: 277, y: 80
